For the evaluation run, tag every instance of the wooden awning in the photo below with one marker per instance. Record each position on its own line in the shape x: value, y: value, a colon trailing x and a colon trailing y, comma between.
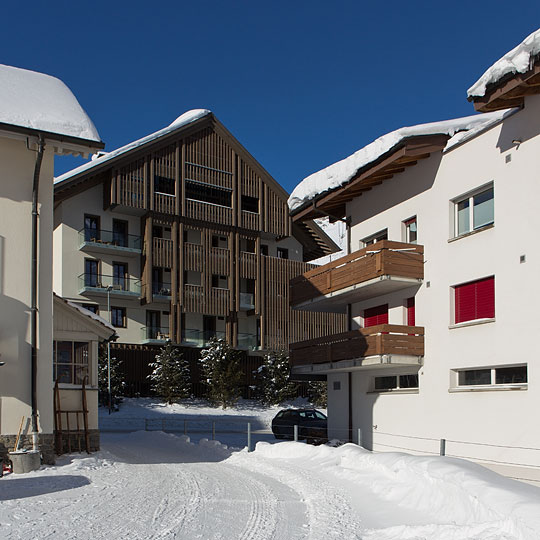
x: 406, y: 154
x: 510, y: 91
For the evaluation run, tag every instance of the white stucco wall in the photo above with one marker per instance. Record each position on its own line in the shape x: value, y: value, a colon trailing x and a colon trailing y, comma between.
x: 494, y: 416
x: 16, y: 175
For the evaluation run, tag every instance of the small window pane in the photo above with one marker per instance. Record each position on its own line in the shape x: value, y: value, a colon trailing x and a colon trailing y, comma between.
x: 483, y: 209
x: 385, y: 383
x: 408, y: 381
x: 463, y: 217
x: 511, y: 375
x: 474, y: 377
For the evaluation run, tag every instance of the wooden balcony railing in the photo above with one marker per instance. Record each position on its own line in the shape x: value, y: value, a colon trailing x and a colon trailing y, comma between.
x: 248, y: 265
x: 208, y: 212
x: 193, y: 257
x: 383, y: 339
x: 164, y: 203
x: 385, y: 258
x: 162, y: 252
x: 210, y: 302
x: 250, y: 220
x: 219, y: 260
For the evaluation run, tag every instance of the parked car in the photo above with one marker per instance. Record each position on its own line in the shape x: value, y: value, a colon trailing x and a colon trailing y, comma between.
x: 311, y: 425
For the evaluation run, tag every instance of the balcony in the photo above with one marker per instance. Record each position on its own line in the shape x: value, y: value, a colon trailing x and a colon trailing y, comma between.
x: 248, y: 342
x: 162, y: 252
x: 161, y: 291
x: 100, y: 285
x: 102, y: 241
x: 200, y: 338
x: 378, y: 346
x: 154, y: 335
x: 378, y: 269
x: 247, y: 301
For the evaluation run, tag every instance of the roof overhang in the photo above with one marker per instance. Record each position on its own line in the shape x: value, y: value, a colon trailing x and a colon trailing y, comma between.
x: 406, y: 154
x: 315, y: 241
x: 63, y: 144
x: 510, y: 91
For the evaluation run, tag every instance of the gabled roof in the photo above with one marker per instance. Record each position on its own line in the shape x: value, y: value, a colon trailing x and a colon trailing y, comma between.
x: 327, y: 191
x: 37, y: 102
x: 103, y: 328
x: 511, y: 78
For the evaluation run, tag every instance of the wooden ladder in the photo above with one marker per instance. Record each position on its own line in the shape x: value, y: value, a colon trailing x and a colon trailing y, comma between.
x: 68, y: 431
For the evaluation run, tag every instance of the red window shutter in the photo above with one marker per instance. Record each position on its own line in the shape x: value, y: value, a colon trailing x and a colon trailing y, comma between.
x: 475, y: 300
x: 376, y: 315
x: 411, y: 316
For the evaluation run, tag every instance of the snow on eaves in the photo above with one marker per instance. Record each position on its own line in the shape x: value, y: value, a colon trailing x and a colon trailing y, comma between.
x: 342, y: 171
x: 37, y: 101
x: 88, y: 313
x: 518, y: 60
x: 184, y: 119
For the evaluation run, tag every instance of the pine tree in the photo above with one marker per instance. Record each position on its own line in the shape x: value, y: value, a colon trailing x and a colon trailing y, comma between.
x: 273, y: 385
x: 118, y: 384
x: 220, y: 366
x: 318, y: 393
x: 171, y: 375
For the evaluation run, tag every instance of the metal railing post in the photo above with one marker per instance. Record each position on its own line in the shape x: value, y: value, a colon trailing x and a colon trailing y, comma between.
x: 359, y: 441
x: 296, y: 433
x: 249, y: 437
x: 443, y: 447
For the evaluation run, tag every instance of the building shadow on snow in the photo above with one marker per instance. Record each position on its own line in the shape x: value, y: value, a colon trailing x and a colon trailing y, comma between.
x: 21, y: 488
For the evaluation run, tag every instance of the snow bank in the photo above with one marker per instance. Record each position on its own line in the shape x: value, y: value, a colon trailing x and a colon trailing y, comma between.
x: 464, y: 500
x: 38, y: 101
x: 518, y: 60
x: 183, y: 120
x: 342, y: 171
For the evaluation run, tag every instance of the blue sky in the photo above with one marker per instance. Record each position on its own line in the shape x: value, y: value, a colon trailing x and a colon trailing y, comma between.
x: 300, y: 84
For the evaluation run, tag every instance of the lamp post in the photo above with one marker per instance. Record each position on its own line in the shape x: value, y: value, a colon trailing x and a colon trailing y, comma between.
x: 109, y: 289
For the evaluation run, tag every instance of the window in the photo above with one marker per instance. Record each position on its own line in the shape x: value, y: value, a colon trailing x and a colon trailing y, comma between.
x: 71, y: 361
x: 396, y: 382
x: 118, y: 317
x: 92, y: 231
x: 473, y: 212
x: 153, y: 319
x: 157, y: 231
x: 163, y: 185
x: 120, y: 277
x: 475, y: 300
x: 282, y: 253
x: 250, y: 204
x: 91, y: 273
x: 247, y: 245
x: 219, y: 242
x: 199, y: 191
x: 411, y: 231
x: 376, y: 315
x: 492, y: 376
x: 374, y: 238
x: 264, y: 250
x: 411, y: 312
x: 94, y: 308
x: 219, y: 282
x: 120, y: 233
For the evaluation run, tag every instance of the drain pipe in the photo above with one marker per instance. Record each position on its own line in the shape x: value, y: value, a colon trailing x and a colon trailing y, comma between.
x: 33, y: 289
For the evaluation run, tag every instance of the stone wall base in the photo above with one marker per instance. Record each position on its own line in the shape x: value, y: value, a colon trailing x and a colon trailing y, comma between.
x: 70, y: 444
x: 46, y: 444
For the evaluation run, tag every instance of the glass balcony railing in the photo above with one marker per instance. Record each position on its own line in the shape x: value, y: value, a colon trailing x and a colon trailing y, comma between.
x: 200, y: 338
x: 247, y: 301
x: 161, y: 289
x: 248, y: 342
x: 155, y: 333
x: 101, y: 284
x: 109, y: 239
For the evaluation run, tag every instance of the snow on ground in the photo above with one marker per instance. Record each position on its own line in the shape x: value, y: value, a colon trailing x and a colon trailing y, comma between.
x: 149, y: 485
x: 518, y: 60
x: 38, y: 101
x: 339, y: 173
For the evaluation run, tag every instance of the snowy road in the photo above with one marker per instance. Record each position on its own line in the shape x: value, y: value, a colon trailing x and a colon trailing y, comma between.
x: 159, y: 486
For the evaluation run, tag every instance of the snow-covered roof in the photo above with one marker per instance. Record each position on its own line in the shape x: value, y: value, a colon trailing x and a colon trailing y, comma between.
x: 103, y: 157
x: 87, y: 313
x: 518, y: 60
x: 37, y: 101
x: 342, y: 171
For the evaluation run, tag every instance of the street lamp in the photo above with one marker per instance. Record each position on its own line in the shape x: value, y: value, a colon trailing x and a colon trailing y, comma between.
x: 109, y: 289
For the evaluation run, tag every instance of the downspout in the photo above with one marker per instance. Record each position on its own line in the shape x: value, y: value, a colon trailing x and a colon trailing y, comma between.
x: 33, y: 289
